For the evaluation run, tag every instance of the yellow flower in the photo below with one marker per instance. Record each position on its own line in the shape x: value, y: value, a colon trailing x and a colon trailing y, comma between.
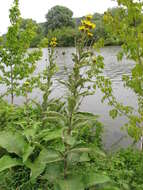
x: 90, y: 34
x: 89, y: 17
x: 53, y: 42
x: 88, y: 24
x: 87, y: 30
x: 54, y: 39
x: 81, y: 28
x: 93, y: 26
x: 26, y: 83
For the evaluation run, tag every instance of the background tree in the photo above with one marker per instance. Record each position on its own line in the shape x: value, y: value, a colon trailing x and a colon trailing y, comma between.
x: 58, y: 17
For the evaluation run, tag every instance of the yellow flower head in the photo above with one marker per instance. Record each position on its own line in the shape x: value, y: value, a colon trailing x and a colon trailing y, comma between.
x: 81, y: 28
x: 26, y: 83
x: 93, y: 26
x: 90, y: 34
x: 88, y: 24
x: 54, y: 39
x: 53, y: 42
x: 89, y: 17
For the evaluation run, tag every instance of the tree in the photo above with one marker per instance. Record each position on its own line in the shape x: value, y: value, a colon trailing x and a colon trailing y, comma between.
x: 16, y: 63
x: 58, y: 17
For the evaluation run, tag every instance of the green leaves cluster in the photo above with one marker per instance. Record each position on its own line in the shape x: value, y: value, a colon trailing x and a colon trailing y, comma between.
x: 58, y: 17
x: 126, y: 26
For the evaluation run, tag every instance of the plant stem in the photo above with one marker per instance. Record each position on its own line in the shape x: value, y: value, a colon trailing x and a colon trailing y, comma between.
x: 11, y: 90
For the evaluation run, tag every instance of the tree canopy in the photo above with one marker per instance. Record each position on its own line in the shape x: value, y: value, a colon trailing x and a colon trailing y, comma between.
x: 58, y: 17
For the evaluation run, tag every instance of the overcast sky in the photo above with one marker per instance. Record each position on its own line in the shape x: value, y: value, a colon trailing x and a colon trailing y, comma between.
x: 36, y: 9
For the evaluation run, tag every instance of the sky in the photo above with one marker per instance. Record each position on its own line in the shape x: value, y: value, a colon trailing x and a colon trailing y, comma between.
x: 37, y: 9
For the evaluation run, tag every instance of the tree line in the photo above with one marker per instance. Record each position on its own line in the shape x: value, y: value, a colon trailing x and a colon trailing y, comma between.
x: 61, y: 24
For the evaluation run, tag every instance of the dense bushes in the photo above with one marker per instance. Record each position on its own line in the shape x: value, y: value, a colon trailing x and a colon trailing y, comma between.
x: 66, y: 36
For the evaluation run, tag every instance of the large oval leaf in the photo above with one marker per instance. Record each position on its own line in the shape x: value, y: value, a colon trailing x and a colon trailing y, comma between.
x: 45, y: 157
x: 92, y: 179
x: 15, y: 143
x: 70, y: 184
x: 8, y: 162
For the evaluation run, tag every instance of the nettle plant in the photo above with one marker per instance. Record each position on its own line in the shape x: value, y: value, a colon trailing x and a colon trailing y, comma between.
x: 61, y: 150
x: 126, y: 25
x: 16, y: 62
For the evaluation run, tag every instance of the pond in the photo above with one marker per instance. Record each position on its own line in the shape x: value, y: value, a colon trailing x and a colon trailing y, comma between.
x: 114, y: 70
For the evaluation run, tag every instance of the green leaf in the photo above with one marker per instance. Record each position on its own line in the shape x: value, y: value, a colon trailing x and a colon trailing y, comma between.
x: 84, y: 157
x: 99, y: 152
x: 45, y: 157
x: 8, y: 162
x: 113, y: 113
x: 83, y: 118
x: 70, y: 140
x: 52, y: 135
x: 78, y: 157
x: 53, y: 172
x: 31, y: 132
x: 56, y: 115
x: 49, y: 156
x: 92, y: 179
x: 28, y: 151
x: 110, y: 187
x: 73, y: 157
x: 80, y: 150
x: 36, y: 168
x: 13, y: 142
x: 70, y: 184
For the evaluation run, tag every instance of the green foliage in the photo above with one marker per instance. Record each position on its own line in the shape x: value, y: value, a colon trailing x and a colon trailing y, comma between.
x: 21, y: 147
x: 39, y: 31
x: 61, y: 25
x: 16, y: 63
x: 66, y: 36
x: 58, y: 17
x: 126, y: 25
x: 8, y: 162
x: 125, y: 168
